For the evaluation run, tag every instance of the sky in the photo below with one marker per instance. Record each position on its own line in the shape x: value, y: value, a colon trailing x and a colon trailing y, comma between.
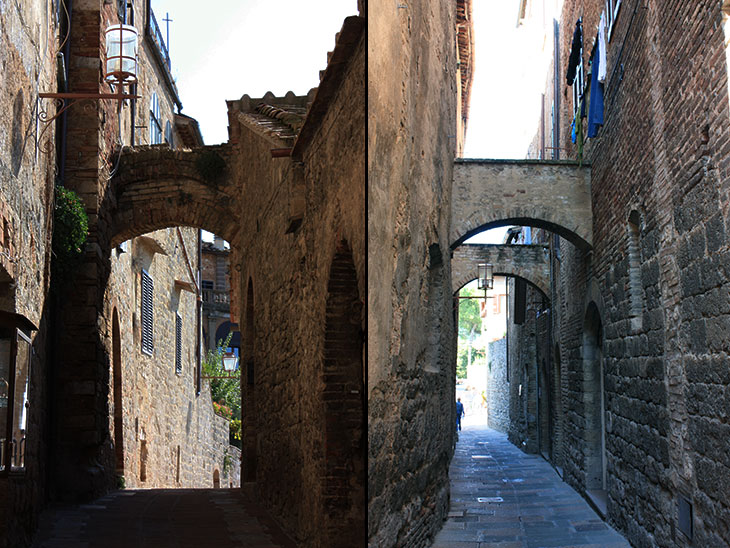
x: 236, y: 47
x: 504, y: 109
x: 223, y: 49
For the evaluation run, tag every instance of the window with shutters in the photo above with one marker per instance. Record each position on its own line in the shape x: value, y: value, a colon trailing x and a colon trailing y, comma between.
x: 178, y: 344
x: 155, y: 121
x: 168, y: 134
x: 147, y: 314
x: 612, y: 7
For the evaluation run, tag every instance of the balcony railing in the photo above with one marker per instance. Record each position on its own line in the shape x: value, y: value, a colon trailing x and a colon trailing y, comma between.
x: 215, y: 296
x: 156, y: 35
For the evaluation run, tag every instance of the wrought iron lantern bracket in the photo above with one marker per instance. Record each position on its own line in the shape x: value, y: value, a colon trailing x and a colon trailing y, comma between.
x: 65, y: 101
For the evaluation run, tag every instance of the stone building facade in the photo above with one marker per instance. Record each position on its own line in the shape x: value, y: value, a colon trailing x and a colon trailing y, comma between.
x: 92, y: 411
x: 425, y: 49
x: 637, y: 321
x: 165, y: 431
x: 27, y: 179
x: 216, y: 292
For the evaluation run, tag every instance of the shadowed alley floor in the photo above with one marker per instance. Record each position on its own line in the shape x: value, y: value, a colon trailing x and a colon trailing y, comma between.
x: 162, y: 518
x: 501, y: 497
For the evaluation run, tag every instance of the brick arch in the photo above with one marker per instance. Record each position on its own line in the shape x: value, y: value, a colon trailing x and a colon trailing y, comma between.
x: 156, y: 187
x: 528, y: 262
x: 343, y: 478
x: 553, y: 195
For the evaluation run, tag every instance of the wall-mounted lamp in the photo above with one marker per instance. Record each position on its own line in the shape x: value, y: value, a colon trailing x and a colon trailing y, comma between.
x: 230, y: 360
x: 486, y: 276
x: 120, y: 70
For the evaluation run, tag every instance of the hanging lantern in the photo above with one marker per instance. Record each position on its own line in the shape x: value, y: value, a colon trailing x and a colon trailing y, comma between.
x: 486, y: 276
x: 121, y: 55
x: 230, y: 361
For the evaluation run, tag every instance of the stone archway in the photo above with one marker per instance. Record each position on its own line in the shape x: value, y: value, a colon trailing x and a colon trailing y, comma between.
x: 528, y: 262
x: 156, y: 187
x: 492, y: 193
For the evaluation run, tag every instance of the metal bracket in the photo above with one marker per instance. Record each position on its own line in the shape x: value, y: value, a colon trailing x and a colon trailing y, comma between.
x: 65, y: 101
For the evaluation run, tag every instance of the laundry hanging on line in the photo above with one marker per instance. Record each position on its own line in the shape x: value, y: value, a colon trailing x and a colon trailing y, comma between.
x: 575, y: 53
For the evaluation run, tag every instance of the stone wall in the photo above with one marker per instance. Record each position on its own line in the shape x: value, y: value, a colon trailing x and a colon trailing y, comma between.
x: 26, y: 213
x: 522, y: 358
x: 498, y: 386
x: 302, y: 286
x: 413, y: 137
x: 649, y: 303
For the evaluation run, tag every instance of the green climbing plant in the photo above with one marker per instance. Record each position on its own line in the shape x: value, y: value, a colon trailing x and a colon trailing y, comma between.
x: 70, y: 231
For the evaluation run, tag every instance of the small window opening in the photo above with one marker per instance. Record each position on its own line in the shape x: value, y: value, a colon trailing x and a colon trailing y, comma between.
x: 634, y: 255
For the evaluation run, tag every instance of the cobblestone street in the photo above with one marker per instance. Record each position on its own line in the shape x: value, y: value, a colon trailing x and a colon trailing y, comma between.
x: 502, y: 497
x: 162, y: 518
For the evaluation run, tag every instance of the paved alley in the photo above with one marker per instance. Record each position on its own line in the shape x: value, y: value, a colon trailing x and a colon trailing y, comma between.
x: 162, y: 518
x: 501, y: 497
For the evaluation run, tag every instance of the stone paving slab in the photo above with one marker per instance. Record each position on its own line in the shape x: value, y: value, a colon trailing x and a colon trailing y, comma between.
x: 505, y: 498
x: 162, y: 518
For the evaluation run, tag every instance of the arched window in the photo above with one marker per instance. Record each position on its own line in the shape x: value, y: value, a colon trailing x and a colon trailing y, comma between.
x: 343, y: 480
x: 248, y: 391
x: 595, y: 406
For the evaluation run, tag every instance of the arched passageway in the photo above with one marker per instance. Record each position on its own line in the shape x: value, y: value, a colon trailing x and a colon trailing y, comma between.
x: 157, y: 188
x: 529, y: 262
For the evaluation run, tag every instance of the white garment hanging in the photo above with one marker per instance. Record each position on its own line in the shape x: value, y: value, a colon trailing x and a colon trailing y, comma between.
x: 602, y: 48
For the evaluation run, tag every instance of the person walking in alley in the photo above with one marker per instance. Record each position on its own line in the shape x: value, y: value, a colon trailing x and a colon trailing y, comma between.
x: 459, y: 413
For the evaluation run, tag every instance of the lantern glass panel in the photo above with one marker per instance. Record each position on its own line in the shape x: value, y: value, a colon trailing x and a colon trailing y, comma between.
x: 21, y: 403
x: 482, y: 283
x: 229, y: 361
x: 121, y: 54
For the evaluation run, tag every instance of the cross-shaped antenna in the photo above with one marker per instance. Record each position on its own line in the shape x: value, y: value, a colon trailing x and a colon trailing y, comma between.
x: 167, y: 21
